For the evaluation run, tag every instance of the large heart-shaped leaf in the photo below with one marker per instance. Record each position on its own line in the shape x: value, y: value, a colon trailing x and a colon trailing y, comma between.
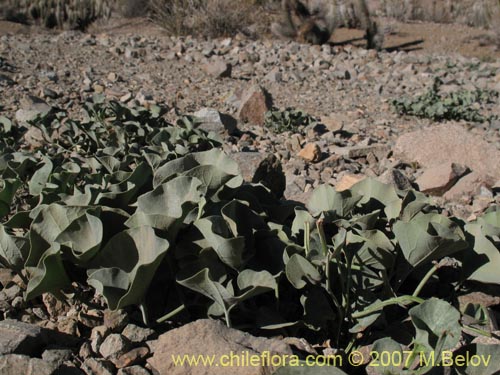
x: 84, y: 236
x: 436, y: 320
x: 8, y: 190
x: 370, y: 188
x: 299, y: 271
x: 326, y: 199
x: 124, y: 268
x: 428, y: 237
x: 49, y: 275
x: 13, y: 250
x: 216, y: 231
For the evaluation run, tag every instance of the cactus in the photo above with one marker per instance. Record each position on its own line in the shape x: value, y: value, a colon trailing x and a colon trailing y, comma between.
x: 314, y: 21
x: 67, y: 14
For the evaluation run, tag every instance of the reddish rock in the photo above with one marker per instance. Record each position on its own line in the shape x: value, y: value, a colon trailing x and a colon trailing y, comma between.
x: 449, y: 143
x: 255, y: 102
x: 439, y: 179
x: 311, y: 152
x: 218, y: 68
x: 212, y: 340
x: 347, y: 181
x: 468, y: 185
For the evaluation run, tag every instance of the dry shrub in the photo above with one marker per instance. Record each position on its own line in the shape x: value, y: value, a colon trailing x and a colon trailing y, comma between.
x: 469, y: 12
x: 211, y: 18
x: 133, y: 8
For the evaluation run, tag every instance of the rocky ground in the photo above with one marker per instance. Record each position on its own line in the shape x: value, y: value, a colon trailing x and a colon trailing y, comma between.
x: 230, y: 84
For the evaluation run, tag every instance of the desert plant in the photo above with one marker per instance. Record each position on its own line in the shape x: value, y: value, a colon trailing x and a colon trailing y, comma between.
x: 314, y: 21
x: 133, y: 8
x: 72, y: 14
x: 454, y: 106
x: 156, y: 215
x: 210, y: 18
x: 287, y: 120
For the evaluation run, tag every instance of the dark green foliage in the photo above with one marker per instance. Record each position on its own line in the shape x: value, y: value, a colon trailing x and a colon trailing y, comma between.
x: 454, y: 106
x: 155, y: 215
x: 287, y: 120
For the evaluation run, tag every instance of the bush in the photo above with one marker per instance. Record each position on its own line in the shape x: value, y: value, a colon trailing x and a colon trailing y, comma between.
x: 133, y: 8
x: 212, y: 18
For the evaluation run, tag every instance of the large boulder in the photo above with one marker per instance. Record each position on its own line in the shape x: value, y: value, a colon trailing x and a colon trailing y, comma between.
x: 438, y: 147
x: 212, y: 339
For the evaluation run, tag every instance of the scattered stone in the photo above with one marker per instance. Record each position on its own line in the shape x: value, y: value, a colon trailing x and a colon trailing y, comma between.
x: 311, y: 152
x: 54, y: 307
x: 348, y: 181
x: 21, y: 364
x: 209, y: 337
x: 57, y: 356
x: 115, y: 320
x: 31, y: 108
x: 255, y: 102
x: 332, y: 123
x: 439, y: 179
x: 114, y: 346
x: 21, y: 338
x: 97, y: 336
x: 218, y: 68
x: 92, y: 366
x: 131, y: 357
x: 395, y: 178
x: 6, y: 276
x: 134, y: 370
x: 213, y: 121
x: 449, y: 143
x: 137, y: 334
x: 468, y: 185
x: 260, y: 167
x: 380, y: 151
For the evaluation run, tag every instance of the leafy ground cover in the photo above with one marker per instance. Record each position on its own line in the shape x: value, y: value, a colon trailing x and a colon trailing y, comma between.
x: 155, y: 215
x: 461, y: 105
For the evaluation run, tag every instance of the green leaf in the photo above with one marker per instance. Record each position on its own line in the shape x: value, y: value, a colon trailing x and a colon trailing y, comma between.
x: 202, y: 284
x: 84, y: 236
x: 9, y: 188
x: 40, y: 178
x: 49, y: 276
x: 13, y: 250
x: 436, y: 319
x: 326, y: 199
x: 428, y: 237
x: 370, y: 188
x: 124, y: 268
x: 252, y: 283
x: 387, y: 357
x: 229, y: 249
x: 303, y: 368
x: 299, y: 271
x: 482, y: 262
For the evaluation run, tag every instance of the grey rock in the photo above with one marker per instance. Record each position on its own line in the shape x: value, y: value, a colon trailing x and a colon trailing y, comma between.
x: 218, y: 68
x: 380, y: 151
x: 57, y: 356
x: 440, y: 178
x: 213, y: 121
x: 92, y: 366
x: 115, y: 320
x: 133, y: 370
x: 21, y: 338
x: 255, y: 102
x: 21, y: 364
x: 395, y: 178
x: 5, y: 80
x: 260, y: 167
x: 31, y: 108
x: 211, y: 338
x: 113, y: 346
x: 450, y: 143
x: 12, y: 291
x: 137, y: 334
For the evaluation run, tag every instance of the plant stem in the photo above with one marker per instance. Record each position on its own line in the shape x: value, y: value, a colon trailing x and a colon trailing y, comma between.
x: 426, y: 278
x: 307, y: 233
x: 405, y: 300
x: 171, y: 314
